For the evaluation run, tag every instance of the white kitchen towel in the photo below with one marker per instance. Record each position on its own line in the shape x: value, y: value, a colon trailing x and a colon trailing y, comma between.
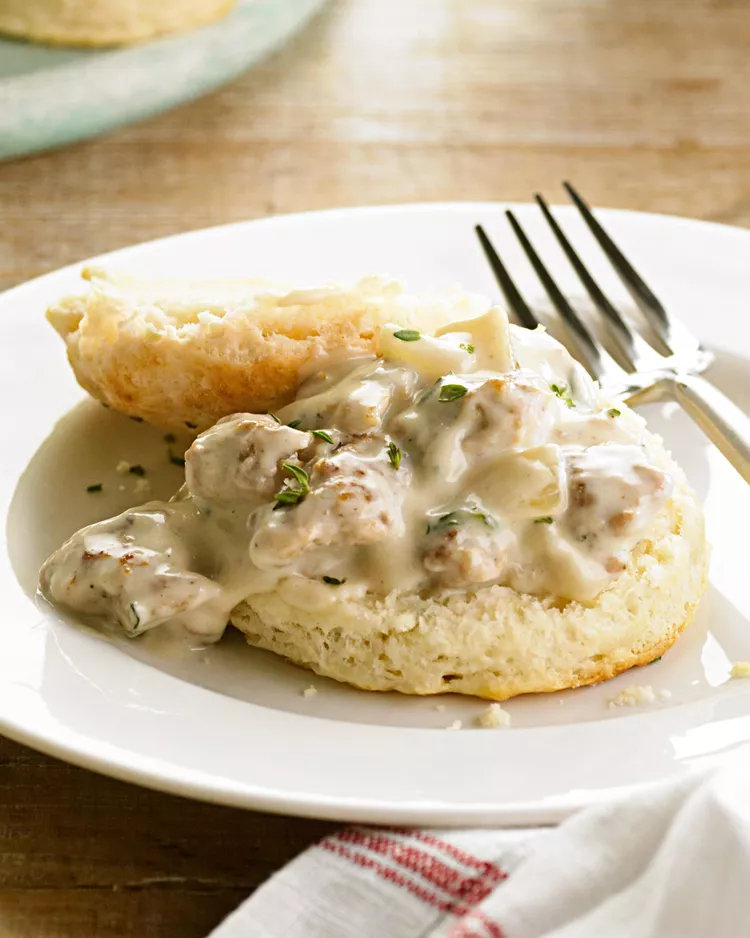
x: 671, y: 861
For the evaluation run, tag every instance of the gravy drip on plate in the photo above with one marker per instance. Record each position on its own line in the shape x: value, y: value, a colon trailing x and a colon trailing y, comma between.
x: 482, y: 455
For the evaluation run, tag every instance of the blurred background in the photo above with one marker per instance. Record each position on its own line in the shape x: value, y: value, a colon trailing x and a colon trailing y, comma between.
x: 644, y: 104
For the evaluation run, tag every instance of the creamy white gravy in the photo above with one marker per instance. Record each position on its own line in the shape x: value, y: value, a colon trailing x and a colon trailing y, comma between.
x: 482, y: 456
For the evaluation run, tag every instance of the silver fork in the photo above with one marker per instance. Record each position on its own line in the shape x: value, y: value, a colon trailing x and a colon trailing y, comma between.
x: 652, y: 375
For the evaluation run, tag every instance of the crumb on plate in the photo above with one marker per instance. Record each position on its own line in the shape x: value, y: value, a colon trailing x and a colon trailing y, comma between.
x: 123, y: 467
x: 637, y: 695
x: 310, y: 691
x: 493, y: 717
x: 455, y: 725
x: 142, y: 487
x: 740, y: 669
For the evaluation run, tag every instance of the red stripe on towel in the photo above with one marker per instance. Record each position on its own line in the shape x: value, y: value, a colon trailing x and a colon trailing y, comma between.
x: 455, y: 853
x: 395, y: 878
x: 468, y: 889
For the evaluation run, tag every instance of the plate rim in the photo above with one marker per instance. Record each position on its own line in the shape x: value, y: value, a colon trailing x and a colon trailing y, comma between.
x: 386, y: 208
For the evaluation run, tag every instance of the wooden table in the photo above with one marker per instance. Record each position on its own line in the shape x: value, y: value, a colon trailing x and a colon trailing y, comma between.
x: 643, y: 104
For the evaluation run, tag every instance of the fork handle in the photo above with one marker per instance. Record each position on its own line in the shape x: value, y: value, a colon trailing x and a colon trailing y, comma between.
x: 721, y: 420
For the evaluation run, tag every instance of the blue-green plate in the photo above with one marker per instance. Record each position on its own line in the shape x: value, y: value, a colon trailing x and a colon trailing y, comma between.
x: 53, y: 96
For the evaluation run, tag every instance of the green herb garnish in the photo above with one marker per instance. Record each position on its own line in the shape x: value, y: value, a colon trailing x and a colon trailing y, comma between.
x: 170, y: 438
x: 546, y: 520
x: 299, y: 474
x: 323, y: 435
x: 460, y: 516
x: 273, y: 417
x: 451, y: 392
x: 96, y: 487
x: 135, y: 613
x: 191, y: 426
x: 333, y: 581
x: 614, y: 412
x: 407, y: 335
x: 655, y: 660
x: 176, y: 460
x: 289, y: 496
x: 394, y: 454
x: 466, y: 348
x: 294, y: 423
x: 444, y: 521
x: 137, y: 470
x: 563, y: 392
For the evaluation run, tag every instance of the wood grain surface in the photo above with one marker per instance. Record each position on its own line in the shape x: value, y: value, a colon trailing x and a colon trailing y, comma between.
x: 643, y: 104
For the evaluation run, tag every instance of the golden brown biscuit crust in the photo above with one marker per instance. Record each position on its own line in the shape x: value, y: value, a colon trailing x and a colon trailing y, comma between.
x: 188, y: 354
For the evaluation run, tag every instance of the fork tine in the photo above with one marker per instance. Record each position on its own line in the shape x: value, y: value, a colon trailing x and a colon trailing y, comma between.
x: 597, y: 359
x: 674, y: 335
x: 513, y: 298
x: 639, y: 354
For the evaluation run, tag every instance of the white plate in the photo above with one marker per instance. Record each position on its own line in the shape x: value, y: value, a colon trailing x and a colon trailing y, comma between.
x: 231, y: 725
x: 50, y: 96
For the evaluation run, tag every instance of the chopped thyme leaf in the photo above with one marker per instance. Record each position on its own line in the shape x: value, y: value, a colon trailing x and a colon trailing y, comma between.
x: 451, y: 392
x: 333, y: 581
x: 444, y: 521
x: 96, y: 487
x: 466, y: 348
x: 394, y: 454
x: 563, y: 392
x: 655, y: 660
x: 323, y: 435
x: 294, y: 423
x: 273, y: 417
x: 176, y: 460
x: 137, y: 470
x: 614, y: 412
x: 288, y: 497
x: 135, y: 613
x: 170, y: 438
x: 137, y: 419
x: 191, y: 426
x: 299, y: 474
x: 481, y: 516
x: 407, y: 335
x: 545, y: 520
x: 461, y: 515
